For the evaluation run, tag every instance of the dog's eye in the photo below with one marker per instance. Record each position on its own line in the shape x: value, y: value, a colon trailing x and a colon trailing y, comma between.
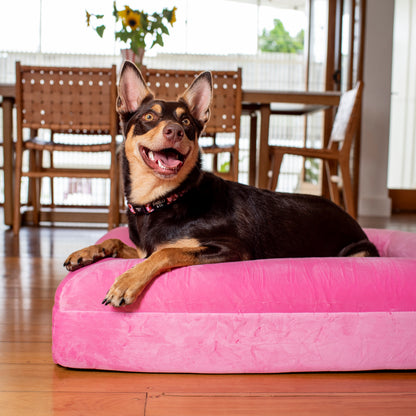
x: 148, y: 117
x: 186, y: 122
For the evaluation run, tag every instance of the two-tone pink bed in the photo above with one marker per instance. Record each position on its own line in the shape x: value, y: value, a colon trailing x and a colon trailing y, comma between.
x: 264, y: 316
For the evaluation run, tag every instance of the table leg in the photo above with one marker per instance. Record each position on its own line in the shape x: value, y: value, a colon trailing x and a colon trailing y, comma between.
x: 8, y: 159
x: 264, y: 162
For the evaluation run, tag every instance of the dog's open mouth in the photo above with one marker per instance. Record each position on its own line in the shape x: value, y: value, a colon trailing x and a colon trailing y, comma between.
x: 165, y: 162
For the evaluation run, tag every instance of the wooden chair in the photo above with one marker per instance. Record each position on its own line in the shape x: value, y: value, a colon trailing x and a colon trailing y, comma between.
x: 225, y: 109
x: 64, y: 100
x: 336, y: 156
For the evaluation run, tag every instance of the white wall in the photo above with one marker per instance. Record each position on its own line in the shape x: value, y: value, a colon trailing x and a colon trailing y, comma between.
x: 402, y: 151
x: 373, y: 194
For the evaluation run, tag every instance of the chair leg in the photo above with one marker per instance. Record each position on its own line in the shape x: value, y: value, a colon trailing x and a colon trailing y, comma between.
x: 111, y: 210
x: 234, y: 163
x: 17, y: 186
x: 347, y: 188
x: 232, y: 169
x: 35, y: 164
x: 116, y: 206
x: 331, y: 167
x: 120, y: 187
x: 253, y: 149
x: 51, y: 181
x: 114, y: 209
x: 215, y: 164
x: 275, y: 164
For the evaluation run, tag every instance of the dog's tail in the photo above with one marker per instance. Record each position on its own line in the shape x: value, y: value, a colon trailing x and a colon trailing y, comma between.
x: 363, y: 248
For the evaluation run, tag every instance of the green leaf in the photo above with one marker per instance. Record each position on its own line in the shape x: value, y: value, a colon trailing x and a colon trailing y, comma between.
x: 167, y: 14
x: 143, y: 22
x: 138, y: 39
x: 115, y: 11
x: 100, y: 30
x: 158, y: 40
x: 123, y: 36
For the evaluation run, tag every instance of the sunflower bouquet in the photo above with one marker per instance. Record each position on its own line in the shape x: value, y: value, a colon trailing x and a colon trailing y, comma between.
x: 137, y: 27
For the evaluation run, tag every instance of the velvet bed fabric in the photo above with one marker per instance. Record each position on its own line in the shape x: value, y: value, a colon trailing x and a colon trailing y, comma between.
x: 263, y: 316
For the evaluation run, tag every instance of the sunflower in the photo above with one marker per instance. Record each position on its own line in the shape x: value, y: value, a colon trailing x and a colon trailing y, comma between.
x: 173, y: 17
x: 123, y: 14
x: 130, y: 18
x: 133, y: 20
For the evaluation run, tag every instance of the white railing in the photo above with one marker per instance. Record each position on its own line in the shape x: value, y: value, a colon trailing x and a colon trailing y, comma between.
x: 265, y: 71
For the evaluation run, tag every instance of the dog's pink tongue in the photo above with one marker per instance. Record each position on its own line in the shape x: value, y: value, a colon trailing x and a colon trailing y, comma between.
x: 168, y: 159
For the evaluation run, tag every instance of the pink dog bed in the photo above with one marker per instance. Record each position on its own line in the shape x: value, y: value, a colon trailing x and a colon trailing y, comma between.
x: 263, y: 316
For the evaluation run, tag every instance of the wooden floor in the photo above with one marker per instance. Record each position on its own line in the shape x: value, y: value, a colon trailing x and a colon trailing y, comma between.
x: 31, y: 384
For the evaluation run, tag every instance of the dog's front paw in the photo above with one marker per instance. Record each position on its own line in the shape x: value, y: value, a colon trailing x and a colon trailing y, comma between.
x: 125, y: 290
x: 84, y: 257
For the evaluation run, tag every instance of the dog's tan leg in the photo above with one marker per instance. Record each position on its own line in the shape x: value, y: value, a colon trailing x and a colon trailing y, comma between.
x: 131, y: 283
x: 108, y: 248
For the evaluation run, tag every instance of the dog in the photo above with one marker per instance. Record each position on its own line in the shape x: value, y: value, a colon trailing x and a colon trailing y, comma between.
x: 179, y: 215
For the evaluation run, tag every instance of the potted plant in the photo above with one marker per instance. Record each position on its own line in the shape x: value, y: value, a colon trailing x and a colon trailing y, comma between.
x: 136, y: 28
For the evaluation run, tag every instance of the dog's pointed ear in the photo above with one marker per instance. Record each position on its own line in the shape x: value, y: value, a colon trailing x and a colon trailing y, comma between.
x: 198, y: 97
x: 132, y: 89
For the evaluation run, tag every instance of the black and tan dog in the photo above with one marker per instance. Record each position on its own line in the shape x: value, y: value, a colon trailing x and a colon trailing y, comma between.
x: 180, y: 216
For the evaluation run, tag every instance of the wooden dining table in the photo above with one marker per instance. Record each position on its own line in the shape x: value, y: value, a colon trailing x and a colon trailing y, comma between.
x: 254, y: 103
x: 268, y: 103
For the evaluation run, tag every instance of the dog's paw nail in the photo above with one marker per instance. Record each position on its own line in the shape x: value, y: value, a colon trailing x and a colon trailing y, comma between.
x: 70, y: 267
x: 122, y: 302
x: 104, y: 301
x: 79, y: 261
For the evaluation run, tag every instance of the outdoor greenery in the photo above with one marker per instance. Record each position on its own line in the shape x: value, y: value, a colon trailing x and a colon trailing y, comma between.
x: 279, y: 40
x: 312, y: 170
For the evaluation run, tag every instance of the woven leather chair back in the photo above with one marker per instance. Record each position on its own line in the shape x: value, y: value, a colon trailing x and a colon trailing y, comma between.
x: 70, y: 100
x: 73, y: 101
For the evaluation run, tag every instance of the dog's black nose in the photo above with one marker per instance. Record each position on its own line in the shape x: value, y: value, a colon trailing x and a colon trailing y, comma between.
x: 173, y: 132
